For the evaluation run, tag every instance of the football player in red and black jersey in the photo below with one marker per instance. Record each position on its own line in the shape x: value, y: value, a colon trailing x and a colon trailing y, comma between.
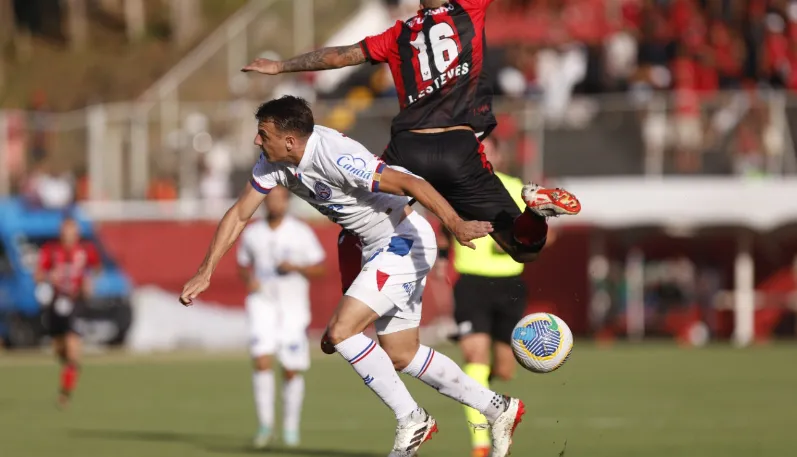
x: 63, y: 284
x: 436, y: 59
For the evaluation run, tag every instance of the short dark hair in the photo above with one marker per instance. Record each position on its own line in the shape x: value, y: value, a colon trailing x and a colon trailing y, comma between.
x: 289, y: 114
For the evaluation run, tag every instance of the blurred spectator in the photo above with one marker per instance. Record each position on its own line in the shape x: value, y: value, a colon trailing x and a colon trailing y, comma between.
x: 215, y: 170
x: 47, y: 186
x: 162, y: 188
x: 38, y: 126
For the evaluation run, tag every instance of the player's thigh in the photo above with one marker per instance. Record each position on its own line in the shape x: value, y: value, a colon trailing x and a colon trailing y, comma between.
x: 394, y: 276
x: 352, y: 316
x: 453, y: 163
x: 349, y: 258
x: 471, y: 187
x: 263, y: 362
x: 475, y: 348
x: 488, y: 200
x: 294, y: 349
x: 262, y: 319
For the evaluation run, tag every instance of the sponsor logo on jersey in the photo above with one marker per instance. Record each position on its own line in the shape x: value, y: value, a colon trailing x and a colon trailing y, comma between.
x: 450, y: 75
x: 322, y: 191
x: 432, y: 12
x: 354, y: 166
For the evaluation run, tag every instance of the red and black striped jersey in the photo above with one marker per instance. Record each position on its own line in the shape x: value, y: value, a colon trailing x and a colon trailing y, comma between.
x: 436, y: 59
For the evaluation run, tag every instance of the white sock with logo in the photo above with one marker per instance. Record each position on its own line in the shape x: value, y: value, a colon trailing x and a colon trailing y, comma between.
x: 373, y: 365
x: 441, y: 373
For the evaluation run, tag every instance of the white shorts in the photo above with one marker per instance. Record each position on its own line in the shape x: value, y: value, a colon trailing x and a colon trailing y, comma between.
x: 271, y: 333
x: 394, y: 275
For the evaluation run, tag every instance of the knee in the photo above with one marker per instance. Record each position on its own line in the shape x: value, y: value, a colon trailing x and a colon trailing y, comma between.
x: 401, y: 358
x: 262, y: 363
x: 504, y: 372
x: 290, y: 374
x: 476, y: 348
x: 339, y: 332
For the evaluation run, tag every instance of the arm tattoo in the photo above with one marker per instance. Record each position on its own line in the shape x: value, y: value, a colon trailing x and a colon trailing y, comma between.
x: 325, y: 59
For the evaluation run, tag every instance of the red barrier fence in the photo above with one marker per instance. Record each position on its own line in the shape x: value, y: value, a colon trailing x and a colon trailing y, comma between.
x: 167, y: 253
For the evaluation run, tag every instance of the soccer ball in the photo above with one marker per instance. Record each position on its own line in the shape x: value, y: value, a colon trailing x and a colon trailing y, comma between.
x: 542, y: 342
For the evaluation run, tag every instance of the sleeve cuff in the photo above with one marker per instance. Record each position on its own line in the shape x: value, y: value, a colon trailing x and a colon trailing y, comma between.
x: 259, y: 188
x: 377, y: 177
x: 367, y: 52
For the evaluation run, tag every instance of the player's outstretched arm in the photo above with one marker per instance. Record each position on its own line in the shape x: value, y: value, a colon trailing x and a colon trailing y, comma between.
x: 321, y: 59
x: 230, y: 227
x: 398, y: 183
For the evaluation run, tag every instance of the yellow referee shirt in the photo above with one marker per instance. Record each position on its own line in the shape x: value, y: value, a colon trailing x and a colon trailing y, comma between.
x: 488, y: 259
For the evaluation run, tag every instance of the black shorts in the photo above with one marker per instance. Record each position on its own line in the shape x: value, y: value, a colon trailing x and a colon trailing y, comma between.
x: 489, y: 305
x: 454, y: 164
x: 59, y: 320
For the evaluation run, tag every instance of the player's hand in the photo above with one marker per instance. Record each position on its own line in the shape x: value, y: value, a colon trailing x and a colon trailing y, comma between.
x: 254, y: 285
x: 195, y: 286
x: 465, y: 231
x: 286, y: 267
x: 264, y: 66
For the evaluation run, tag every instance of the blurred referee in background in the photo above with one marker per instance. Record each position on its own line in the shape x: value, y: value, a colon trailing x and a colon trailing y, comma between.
x: 489, y: 299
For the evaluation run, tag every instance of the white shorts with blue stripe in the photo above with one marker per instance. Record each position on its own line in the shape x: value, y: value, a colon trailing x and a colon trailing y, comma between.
x: 394, y: 273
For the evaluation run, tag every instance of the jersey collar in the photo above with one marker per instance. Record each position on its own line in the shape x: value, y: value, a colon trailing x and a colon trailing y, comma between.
x: 309, y: 152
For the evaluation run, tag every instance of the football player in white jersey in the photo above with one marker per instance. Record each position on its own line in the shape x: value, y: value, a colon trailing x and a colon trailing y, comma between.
x: 353, y: 188
x: 276, y: 257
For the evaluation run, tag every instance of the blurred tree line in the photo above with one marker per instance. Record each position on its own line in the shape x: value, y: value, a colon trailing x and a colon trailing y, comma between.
x: 68, y: 21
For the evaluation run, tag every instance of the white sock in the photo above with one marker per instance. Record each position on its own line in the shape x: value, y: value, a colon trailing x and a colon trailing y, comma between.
x: 263, y: 382
x: 292, y: 398
x: 372, y: 363
x: 441, y: 373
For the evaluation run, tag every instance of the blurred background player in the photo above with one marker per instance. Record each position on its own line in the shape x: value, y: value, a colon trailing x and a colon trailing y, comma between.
x: 489, y: 299
x: 63, y: 286
x: 276, y: 257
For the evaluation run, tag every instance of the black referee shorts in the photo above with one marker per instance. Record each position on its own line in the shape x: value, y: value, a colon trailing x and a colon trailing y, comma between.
x: 452, y: 162
x: 489, y: 305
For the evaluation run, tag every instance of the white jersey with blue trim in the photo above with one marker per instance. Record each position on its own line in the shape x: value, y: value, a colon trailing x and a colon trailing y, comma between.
x: 340, y: 178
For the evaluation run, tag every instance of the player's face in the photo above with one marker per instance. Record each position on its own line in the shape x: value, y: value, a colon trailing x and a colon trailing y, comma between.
x: 273, y: 144
x: 70, y: 234
x: 277, y: 202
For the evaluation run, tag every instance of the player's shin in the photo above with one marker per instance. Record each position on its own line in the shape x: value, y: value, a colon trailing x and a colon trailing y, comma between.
x: 292, y: 399
x: 373, y: 365
x: 442, y: 374
x: 263, y: 385
x: 480, y: 436
x: 70, y: 372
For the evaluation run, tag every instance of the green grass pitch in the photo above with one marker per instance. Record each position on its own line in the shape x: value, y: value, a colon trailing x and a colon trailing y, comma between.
x: 649, y: 400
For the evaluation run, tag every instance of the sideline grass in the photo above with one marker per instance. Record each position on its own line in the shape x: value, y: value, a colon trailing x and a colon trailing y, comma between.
x: 649, y: 400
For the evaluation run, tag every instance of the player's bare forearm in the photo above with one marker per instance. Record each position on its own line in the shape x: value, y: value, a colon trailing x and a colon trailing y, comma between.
x: 313, y: 271
x: 433, y: 201
x: 325, y: 59
x: 245, y: 273
x: 227, y: 232
x: 230, y: 228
